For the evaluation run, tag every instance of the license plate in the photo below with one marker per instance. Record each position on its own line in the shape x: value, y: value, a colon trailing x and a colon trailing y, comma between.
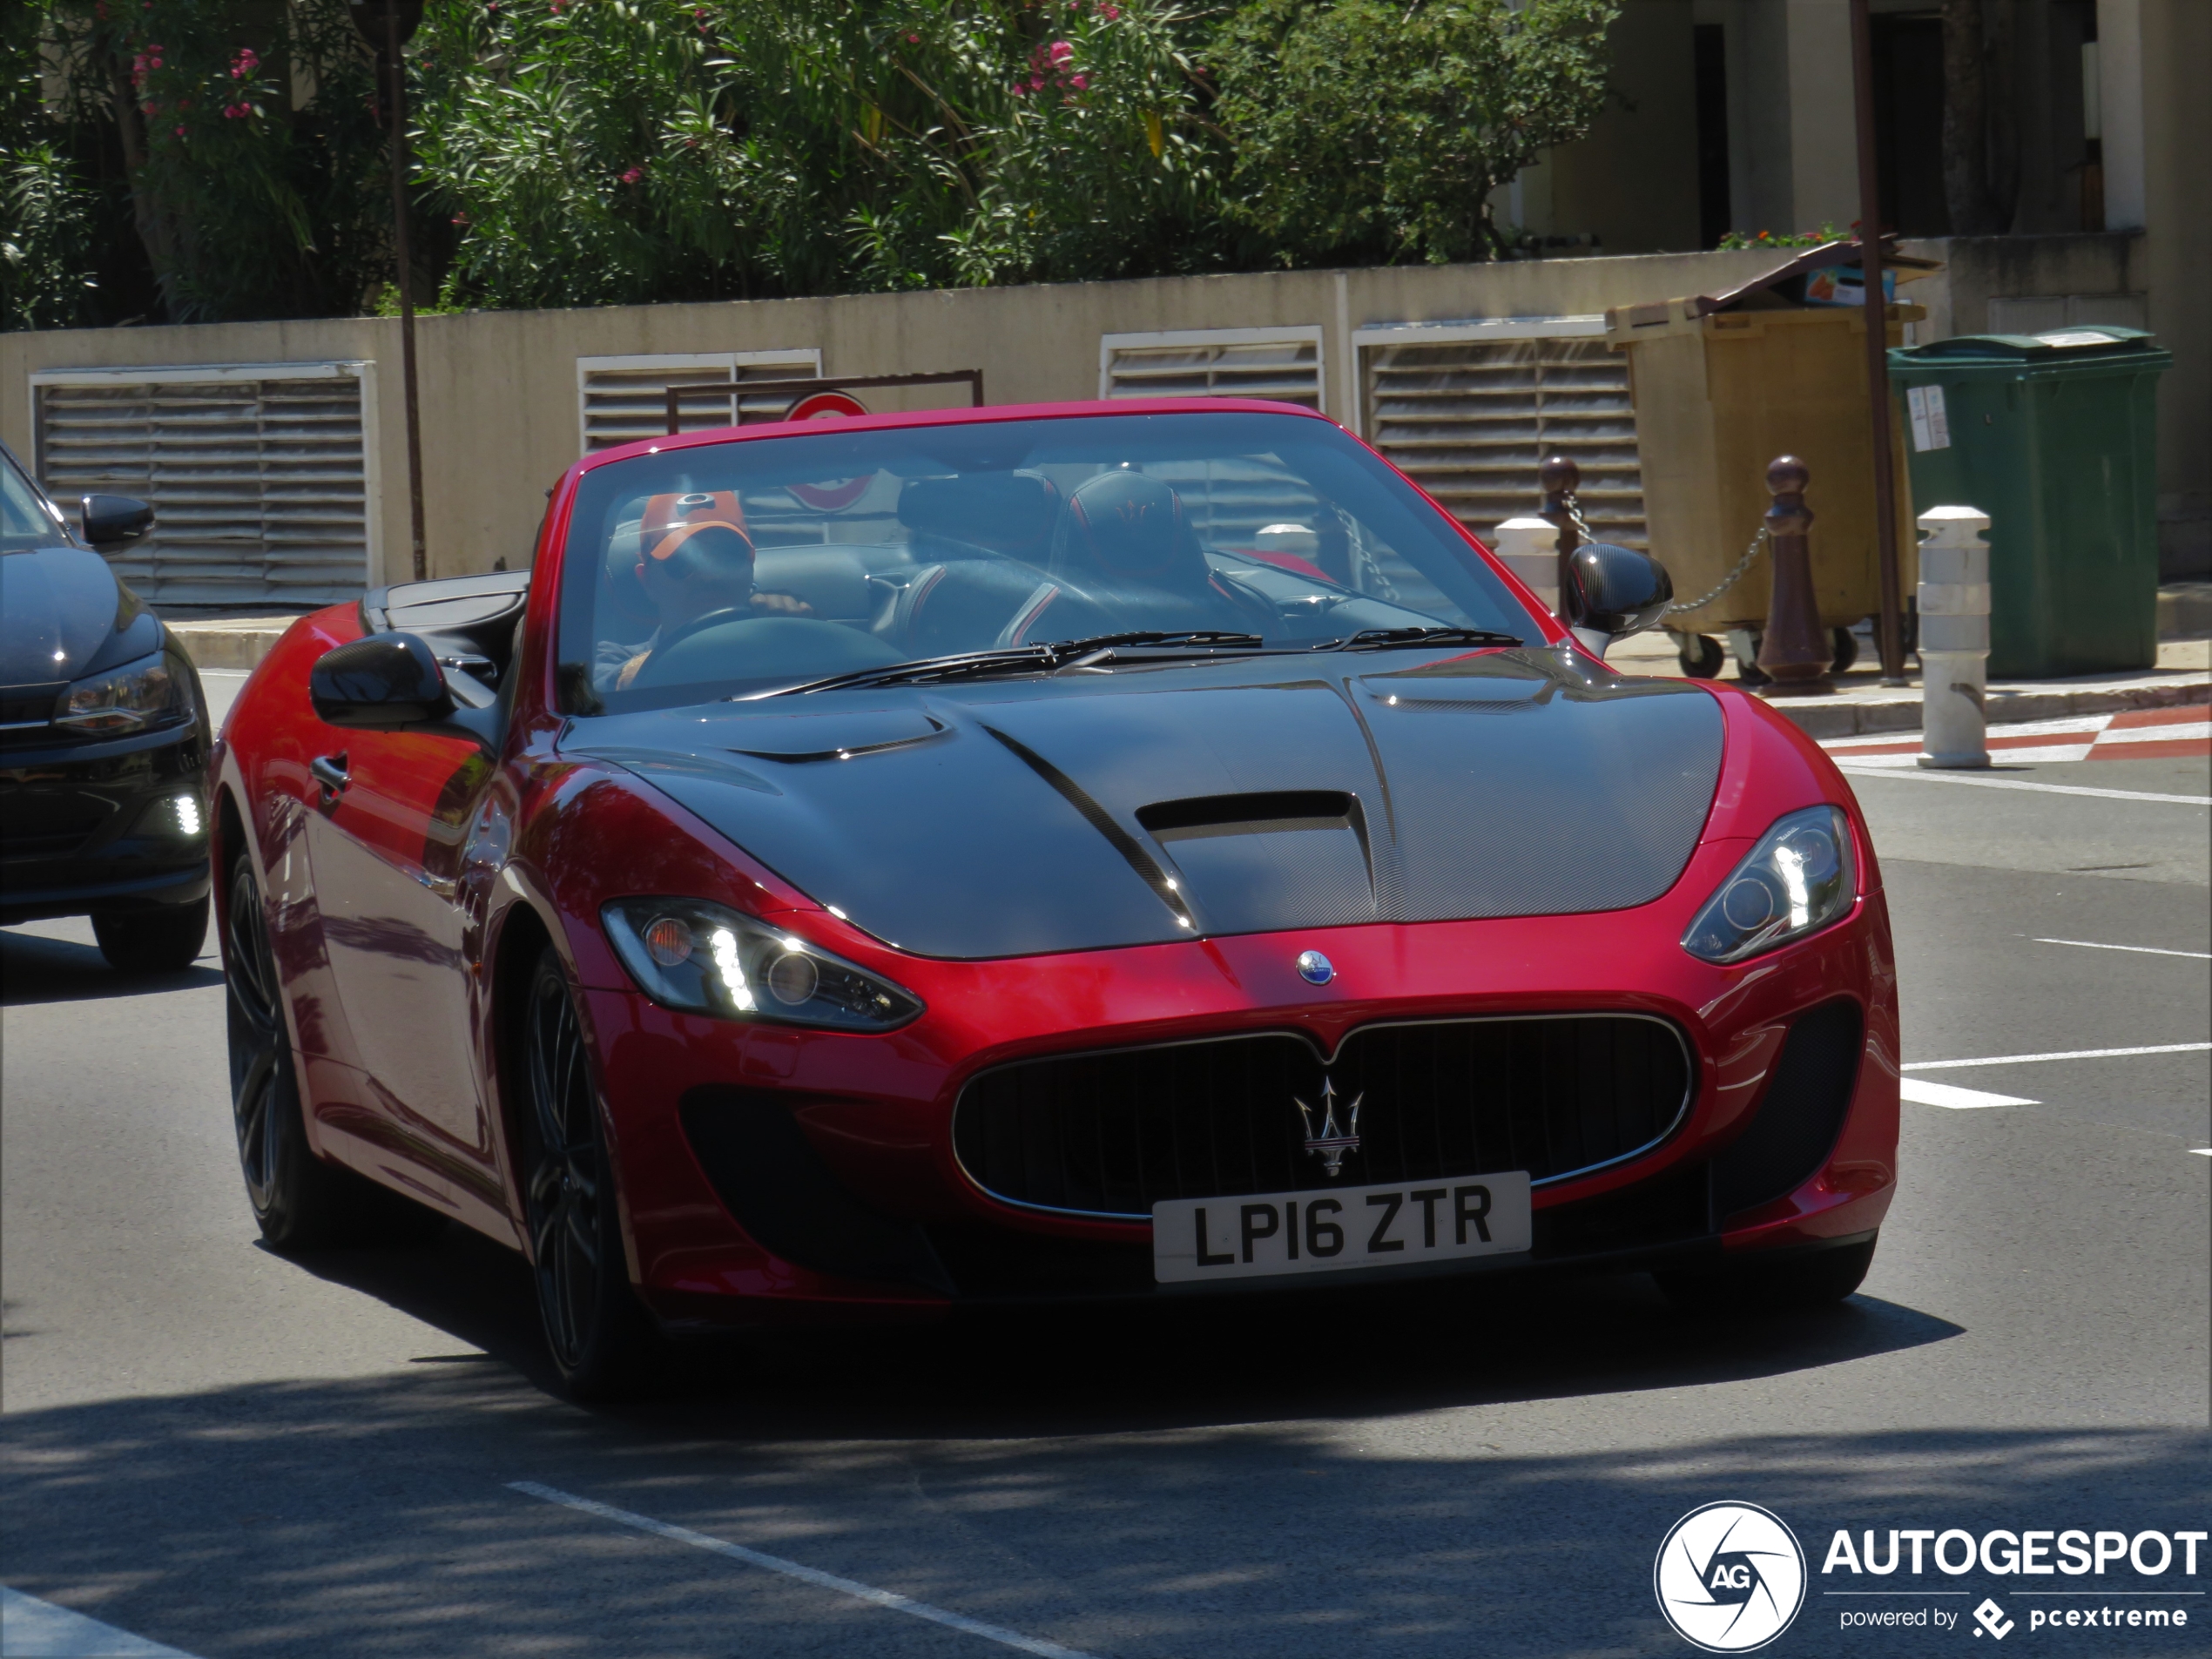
x: 1393, y: 1225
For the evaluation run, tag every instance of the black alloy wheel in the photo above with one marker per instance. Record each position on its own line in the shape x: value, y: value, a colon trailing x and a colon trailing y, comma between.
x: 152, y: 941
x: 299, y: 1202
x: 1798, y: 1279
x: 595, y: 1330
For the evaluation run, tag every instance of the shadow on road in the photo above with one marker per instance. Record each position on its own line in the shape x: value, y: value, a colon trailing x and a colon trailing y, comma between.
x: 372, y: 1516
x: 37, y: 969
x: 1119, y: 1367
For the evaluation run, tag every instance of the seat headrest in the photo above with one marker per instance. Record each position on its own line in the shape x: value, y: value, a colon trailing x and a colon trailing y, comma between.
x: 1002, y: 512
x: 1124, y: 528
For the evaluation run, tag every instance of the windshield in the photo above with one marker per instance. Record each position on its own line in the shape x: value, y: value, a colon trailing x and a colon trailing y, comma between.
x: 25, y: 522
x: 731, y: 568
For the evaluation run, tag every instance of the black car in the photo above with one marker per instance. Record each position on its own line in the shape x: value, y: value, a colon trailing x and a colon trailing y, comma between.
x: 104, y: 736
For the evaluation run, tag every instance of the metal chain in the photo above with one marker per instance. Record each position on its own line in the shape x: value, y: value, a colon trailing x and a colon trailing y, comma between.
x: 1574, y: 517
x: 1728, y: 581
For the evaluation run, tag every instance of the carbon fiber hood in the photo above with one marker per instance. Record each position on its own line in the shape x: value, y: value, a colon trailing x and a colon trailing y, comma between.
x: 1157, y: 804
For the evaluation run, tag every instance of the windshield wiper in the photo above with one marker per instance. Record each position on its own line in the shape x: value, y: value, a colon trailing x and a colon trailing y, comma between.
x: 1389, y: 638
x: 1015, y: 659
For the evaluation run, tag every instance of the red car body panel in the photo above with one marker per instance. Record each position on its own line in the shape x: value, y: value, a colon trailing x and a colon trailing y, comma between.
x: 402, y: 1073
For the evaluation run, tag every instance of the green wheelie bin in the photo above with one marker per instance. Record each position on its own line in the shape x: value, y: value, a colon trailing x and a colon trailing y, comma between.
x: 2055, y: 436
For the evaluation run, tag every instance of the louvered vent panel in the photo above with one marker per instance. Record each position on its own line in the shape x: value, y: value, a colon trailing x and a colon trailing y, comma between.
x: 1286, y: 371
x: 623, y: 404
x: 259, y: 488
x: 1471, y: 422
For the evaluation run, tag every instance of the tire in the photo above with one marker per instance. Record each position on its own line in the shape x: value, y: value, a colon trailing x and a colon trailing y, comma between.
x: 1801, y: 1279
x: 1846, y: 645
x: 152, y: 941
x: 299, y: 1202
x: 598, y: 1336
x: 1702, y: 657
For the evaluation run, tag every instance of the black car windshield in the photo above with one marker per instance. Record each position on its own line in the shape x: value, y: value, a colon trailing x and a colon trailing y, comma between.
x: 728, y: 569
x: 24, y: 522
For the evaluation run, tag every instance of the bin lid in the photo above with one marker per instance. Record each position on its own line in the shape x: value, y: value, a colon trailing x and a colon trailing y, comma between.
x: 2069, y: 344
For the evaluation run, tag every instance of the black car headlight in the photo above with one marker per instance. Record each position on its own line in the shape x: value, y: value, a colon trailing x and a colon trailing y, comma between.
x: 704, y: 959
x: 1797, y: 879
x: 148, y: 692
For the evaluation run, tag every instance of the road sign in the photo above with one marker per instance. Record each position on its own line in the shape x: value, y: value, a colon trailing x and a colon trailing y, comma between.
x: 829, y: 406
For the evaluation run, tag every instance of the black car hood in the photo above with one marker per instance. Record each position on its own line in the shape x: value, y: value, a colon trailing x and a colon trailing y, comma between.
x: 60, y: 607
x: 1012, y: 818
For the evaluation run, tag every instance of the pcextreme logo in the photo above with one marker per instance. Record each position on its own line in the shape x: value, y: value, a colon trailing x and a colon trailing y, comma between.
x: 1729, y: 1577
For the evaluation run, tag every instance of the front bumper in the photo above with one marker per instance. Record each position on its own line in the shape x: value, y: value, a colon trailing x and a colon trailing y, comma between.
x: 768, y: 1172
x: 96, y: 825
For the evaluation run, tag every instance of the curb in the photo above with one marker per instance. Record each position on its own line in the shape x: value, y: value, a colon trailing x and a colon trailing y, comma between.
x: 1859, y: 718
x: 235, y: 644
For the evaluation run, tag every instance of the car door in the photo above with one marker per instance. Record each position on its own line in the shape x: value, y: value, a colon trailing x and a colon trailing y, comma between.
x: 388, y: 845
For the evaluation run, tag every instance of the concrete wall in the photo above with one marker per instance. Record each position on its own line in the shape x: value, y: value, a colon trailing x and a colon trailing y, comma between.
x: 499, y: 388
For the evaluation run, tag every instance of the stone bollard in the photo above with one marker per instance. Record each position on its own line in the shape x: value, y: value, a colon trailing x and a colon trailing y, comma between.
x: 1795, y: 651
x: 1954, y: 637
x: 1529, y: 547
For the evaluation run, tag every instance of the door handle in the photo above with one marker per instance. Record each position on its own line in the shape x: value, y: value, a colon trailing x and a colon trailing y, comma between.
x: 329, y: 771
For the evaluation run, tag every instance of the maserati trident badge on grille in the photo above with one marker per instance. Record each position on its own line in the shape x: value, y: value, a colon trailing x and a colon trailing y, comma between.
x: 1315, y: 969
x: 1331, y: 1143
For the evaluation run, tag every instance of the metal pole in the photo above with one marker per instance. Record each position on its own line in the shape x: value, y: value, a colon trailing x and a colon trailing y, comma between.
x: 1889, y: 630
x: 398, y: 105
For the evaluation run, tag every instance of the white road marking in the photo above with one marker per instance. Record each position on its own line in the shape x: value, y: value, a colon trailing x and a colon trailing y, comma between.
x: 2202, y: 1151
x: 853, y: 1588
x: 2046, y: 753
x: 36, y: 1630
x: 2145, y: 950
x: 1927, y: 1094
x: 2071, y: 1053
x: 2174, y: 732
x: 2021, y: 783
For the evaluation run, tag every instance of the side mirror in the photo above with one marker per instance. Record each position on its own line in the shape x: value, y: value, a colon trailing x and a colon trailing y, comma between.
x: 1614, y: 591
x: 380, y: 683
x: 113, y: 521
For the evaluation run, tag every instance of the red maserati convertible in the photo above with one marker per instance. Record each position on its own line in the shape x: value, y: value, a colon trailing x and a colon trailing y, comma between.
x: 1028, y: 853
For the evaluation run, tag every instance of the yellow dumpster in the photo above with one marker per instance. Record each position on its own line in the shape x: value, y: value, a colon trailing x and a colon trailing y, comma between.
x: 1723, y: 383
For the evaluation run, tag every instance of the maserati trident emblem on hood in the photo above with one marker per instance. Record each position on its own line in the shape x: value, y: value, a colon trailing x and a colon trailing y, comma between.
x: 1330, y: 1144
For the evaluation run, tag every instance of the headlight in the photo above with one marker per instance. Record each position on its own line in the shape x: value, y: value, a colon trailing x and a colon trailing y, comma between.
x: 145, y: 693
x: 1796, y: 880
x: 687, y: 954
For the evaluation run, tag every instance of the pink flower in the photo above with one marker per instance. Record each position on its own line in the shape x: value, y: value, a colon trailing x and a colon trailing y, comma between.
x: 460, y: 219
x: 246, y: 63
x: 1036, y: 82
x: 154, y: 109
x: 1079, y: 82
x: 633, y: 175
x: 1062, y: 51
x: 914, y: 40
x: 180, y: 133
x: 1111, y: 13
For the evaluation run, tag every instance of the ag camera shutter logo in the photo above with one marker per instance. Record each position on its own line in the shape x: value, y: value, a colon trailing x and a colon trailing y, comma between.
x: 1729, y: 1577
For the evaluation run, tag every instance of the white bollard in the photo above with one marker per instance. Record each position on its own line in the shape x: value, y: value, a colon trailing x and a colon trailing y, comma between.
x: 1529, y: 547
x: 1954, y: 637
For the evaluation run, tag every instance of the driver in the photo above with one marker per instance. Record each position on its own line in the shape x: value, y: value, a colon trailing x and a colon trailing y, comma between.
x: 696, y: 559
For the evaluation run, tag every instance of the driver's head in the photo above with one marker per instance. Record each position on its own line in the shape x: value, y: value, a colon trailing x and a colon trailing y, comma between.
x: 696, y: 555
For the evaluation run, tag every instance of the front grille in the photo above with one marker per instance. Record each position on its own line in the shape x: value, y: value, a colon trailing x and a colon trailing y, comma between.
x: 1115, y: 1133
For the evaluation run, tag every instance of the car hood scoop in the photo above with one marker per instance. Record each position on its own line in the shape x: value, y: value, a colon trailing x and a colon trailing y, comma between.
x: 1015, y: 817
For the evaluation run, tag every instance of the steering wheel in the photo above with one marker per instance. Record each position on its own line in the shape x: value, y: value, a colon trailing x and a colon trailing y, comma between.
x: 699, y: 624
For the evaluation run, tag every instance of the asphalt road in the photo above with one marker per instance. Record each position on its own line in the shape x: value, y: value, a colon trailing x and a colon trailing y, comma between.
x: 234, y: 1453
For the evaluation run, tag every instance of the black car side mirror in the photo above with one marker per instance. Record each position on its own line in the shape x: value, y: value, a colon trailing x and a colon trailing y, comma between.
x: 1616, y: 591
x: 113, y: 521
x: 380, y: 683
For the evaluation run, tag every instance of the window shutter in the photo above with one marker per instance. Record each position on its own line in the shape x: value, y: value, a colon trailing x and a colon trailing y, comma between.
x: 1470, y: 419
x: 1283, y: 365
x: 621, y: 400
x: 258, y: 476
